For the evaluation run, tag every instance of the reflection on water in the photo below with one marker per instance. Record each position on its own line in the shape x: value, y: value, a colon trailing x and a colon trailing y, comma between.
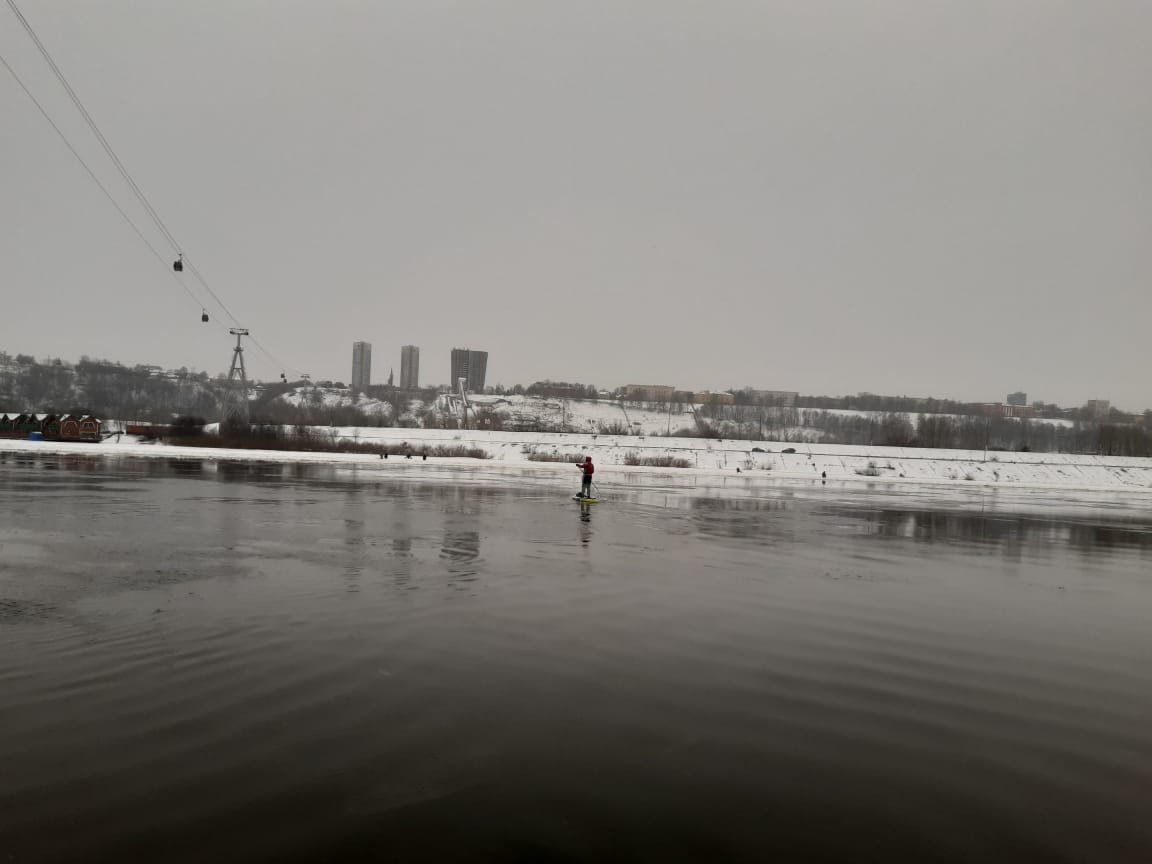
x: 585, y: 528
x: 292, y: 662
x: 1006, y: 532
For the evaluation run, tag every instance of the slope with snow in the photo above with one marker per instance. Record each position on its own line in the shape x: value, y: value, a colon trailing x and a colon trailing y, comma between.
x: 749, y: 462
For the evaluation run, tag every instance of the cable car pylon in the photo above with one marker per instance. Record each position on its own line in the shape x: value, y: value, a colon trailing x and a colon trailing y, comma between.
x: 234, y: 409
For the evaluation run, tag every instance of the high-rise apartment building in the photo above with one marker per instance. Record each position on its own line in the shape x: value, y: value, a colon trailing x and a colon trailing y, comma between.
x: 361, y: 365
x: 1017, y: 398
x: 409, y: 367
x: 470, y: 365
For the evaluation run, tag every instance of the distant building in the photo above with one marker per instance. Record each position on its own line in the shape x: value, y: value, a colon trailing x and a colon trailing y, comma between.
x: 409, y: 367
x: 1017, y: 398
x: 648, y: 392
x: 1098, y: 408
x: 707, y: 397
x: 1047, y: 409
x: 865, y: 399
x: 470, y: 365
x: 999, y: 409
x: 361, y: 365
x: 781, y: 398
x: 557, y: 390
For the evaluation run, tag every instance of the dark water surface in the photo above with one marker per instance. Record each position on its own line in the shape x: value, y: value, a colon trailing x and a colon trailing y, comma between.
x: 250, y: 663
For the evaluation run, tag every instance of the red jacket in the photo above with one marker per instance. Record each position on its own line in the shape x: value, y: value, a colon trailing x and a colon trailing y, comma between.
x: 588, y: 468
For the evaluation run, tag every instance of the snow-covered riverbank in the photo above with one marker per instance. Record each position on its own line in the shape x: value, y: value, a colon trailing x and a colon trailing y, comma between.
x: 750, y: 461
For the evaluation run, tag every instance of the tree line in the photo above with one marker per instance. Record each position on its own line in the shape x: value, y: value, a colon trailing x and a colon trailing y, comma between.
x: 939, y: 431
x: 103, y: 388
x: 110, y: 389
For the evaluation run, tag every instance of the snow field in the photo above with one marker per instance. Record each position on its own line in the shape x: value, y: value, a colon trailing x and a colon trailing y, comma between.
x: 751, y: 461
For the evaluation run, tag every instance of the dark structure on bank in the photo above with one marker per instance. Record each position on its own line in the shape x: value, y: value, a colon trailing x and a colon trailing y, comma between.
x: 52, y: 427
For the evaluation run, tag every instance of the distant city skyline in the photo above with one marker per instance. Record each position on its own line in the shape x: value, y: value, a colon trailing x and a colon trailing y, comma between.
x: 933, y: 199
x: 1017, y: 398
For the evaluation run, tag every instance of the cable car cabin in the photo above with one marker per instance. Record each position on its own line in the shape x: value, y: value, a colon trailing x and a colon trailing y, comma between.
x: 204, y: 316
x: 178, y: 264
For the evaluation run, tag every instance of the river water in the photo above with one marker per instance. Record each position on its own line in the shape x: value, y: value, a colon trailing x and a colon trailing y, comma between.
x: 229, y: 662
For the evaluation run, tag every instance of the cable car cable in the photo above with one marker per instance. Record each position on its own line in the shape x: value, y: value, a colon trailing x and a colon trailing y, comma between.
x: 92, y: 125
x: 275, y: 360
x: 199, y: 278
x: 96, y: 180
x: 136, y: 190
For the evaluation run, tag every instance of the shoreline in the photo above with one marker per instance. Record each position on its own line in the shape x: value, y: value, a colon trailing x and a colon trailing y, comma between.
x: 1038, y: 472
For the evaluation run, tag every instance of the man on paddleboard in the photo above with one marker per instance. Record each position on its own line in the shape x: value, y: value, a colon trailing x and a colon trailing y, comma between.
x: 586, y: 481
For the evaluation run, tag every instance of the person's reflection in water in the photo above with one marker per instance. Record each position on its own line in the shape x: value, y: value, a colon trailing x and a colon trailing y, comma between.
x: 585, y: 523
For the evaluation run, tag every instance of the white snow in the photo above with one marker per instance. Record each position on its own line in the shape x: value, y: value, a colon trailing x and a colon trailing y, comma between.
x: 913, y: 416
x: 709, y: 458
x: 330, y: 397
x: 578, y: 415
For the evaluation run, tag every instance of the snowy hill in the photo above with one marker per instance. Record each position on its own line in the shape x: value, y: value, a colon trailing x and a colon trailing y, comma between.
x: 333, y: 397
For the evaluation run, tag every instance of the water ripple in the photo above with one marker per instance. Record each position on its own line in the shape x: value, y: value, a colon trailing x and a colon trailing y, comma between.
x: 261, y: 665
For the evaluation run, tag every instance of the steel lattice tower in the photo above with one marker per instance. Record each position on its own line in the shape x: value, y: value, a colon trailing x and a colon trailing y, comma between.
x: 235, y: 406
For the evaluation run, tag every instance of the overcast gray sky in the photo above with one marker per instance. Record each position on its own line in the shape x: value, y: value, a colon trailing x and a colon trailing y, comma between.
x: 922, y: 198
